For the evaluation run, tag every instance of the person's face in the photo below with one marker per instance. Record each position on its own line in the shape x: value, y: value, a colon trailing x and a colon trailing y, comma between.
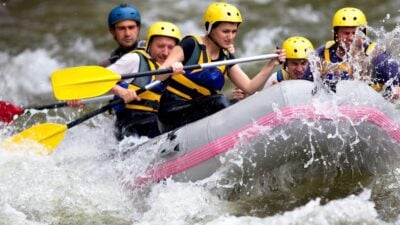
x: 160, y: 47
x: 345, y: 36
x: 224, y: 34
x: 126, y: 33
x: 296, y: 67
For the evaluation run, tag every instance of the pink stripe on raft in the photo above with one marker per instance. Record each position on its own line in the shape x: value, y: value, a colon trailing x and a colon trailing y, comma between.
x: 272, y: 120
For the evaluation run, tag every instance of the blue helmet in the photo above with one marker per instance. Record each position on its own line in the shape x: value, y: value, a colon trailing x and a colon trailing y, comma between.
x: 123, y: 12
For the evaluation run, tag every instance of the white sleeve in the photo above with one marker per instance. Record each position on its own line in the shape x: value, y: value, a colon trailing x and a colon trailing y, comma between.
x: 128, y: 63
x: 271, y: 80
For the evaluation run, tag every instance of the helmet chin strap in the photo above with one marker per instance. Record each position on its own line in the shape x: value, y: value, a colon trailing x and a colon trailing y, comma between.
x: 212, y: 39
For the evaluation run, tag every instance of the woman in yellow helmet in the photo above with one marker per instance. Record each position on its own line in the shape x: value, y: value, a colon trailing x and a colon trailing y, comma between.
x: 140, y: 117
x: 297, y: 49
x: 349, y: 48
x: 192, y: 95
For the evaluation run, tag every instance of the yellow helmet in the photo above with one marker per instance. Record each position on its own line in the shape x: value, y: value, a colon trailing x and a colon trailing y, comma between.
x: 349, y: 17
x: 162, y: 28
x: 220, y: 12
x: 297, y: 47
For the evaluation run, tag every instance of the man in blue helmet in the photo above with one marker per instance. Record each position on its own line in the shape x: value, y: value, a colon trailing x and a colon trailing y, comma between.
x: 124, y: 24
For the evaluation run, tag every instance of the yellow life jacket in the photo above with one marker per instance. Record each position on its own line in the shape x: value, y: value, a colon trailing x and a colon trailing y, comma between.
x: 344, y: 67
x: 327, y: 57
x: 149, y: 99
x: 187, y: 88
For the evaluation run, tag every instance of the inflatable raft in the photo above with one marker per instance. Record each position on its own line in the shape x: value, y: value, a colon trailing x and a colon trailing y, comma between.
x: 286, y: 135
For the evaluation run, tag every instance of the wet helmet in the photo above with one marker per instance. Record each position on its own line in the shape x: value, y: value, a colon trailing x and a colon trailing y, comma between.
x: 297, y: 47
x: 220, y: 12
x: 123, y: 12
x: 162, y: 28
x: 349, y: 17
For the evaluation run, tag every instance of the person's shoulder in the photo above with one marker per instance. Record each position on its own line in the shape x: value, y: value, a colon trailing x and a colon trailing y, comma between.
x: 188, y: 40
x: 105, y: 63
x: 320, y: 49
x: 127, y: 60
x: 141, y: 44
x: 131, y: 56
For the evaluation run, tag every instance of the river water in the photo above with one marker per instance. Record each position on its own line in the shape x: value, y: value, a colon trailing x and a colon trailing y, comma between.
x: 78, y: 184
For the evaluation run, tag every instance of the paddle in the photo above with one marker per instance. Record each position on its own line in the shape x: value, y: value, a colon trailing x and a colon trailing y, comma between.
x: 51, y: 134
x: 9, y: 111
x: 90, y: 81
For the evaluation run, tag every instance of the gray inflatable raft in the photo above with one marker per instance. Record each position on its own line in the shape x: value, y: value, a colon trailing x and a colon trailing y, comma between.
x: 288, y: 127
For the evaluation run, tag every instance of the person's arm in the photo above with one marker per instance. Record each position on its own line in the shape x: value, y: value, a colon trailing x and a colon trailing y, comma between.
x: 250, y: 86
x: 129, y: 63
x: 395, y: 95
x: 386, y: 68
x: 178, y: 56
x: 238, y: 94
x: 174, y: 59
x: 387, y: 72
x: 273, y: 79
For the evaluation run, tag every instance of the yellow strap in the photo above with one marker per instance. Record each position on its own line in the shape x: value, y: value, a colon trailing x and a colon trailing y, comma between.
x: 201, y: 57
x: 327, y: 56
x: 143, y: 52
x: 370, y: 48
x: 285, y: 75
x: 148, y: 95
x: 343, y: 67
x: 140, y: 107
x: 182, y: 79
x: 377, y: 87
x: 179, y: 93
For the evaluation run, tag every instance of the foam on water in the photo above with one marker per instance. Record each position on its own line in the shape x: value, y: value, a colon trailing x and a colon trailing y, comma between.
x: 26, y: 76
x: 77, y: 184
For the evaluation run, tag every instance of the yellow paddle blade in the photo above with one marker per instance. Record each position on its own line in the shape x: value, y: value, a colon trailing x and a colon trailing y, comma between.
x: 49, y: 135
x: 82, y: 82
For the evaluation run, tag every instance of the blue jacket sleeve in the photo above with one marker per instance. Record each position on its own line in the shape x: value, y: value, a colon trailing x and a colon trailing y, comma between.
x: 121, y: 106
x: 307, y: 75
x: 386, y: 68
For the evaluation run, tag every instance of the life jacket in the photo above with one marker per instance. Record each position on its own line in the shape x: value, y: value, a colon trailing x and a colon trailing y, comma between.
x: 346, y: 71
x: 282, y: 74
x: 198, y: 82
x: 119, y: 52
x: 149, y: 99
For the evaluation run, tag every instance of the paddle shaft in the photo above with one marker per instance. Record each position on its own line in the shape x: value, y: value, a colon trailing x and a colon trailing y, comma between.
x: 9, y: 106
x: 165, y: 71
x: 109, y: 106
x: 199, y: 66
x: 90, y: 81
x: 64, y: 104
